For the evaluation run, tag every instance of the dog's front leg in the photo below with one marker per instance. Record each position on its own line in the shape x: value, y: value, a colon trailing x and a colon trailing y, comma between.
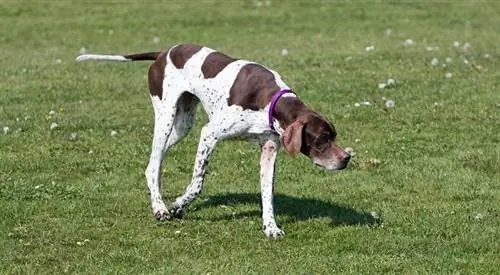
x: 206, y: 145
x: 269, y: 150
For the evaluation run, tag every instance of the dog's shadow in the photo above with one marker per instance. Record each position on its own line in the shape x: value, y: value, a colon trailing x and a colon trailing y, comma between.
x: 296, y: 209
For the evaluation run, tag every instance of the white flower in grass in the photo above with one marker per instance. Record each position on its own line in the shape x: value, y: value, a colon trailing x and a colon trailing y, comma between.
x: 478, y: 216
x: 284, y: 52
x: 434, y: 61
x: 487, y: 55
x: 409, y: 42
x: 110, y: 32
x: 356, y: 104
x: 19, y: 130
x: 83, y: 50
x: 58, y: 61
x: 374, y: 161
x: 6, y: 130
x: 52, y: 112
x: 366, y: 103
x: 267, y: 3
x: 389, y: 103
x: 259, y: 3
x: 53, y: 126
x: 369, y: 48
x: 388, y: 32
x: 350, y: 151
x: 80, y: 243
x: 448, y: 75
x: 448, y: 60
x: 389, y: 83
x: 73, y: 136
x: 156, y: 40
x: 466, y: 62
x: 114, y: 133
x: 456, y: 44
x: 466, y: 46
x: 177, y: 232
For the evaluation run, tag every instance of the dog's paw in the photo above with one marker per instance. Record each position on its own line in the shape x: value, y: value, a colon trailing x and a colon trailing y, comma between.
x: 177, y: 212
x: 160, y: 211
x: 273, y: 232
x: 163, y: 215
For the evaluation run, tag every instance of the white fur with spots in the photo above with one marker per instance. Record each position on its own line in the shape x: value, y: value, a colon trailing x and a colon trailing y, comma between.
x: 173, y: 122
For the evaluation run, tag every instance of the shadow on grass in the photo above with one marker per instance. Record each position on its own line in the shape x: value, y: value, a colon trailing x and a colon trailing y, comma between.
x: 297, y: 209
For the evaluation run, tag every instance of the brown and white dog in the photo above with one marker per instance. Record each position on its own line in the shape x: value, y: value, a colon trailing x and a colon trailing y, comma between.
x: 241, y: 98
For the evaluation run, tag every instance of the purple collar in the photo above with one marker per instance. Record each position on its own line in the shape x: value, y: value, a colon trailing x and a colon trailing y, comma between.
x: 274, y: 101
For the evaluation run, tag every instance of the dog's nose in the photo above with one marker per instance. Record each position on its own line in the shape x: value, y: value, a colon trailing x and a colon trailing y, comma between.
x: 344, y: 160
x: 347, y: 158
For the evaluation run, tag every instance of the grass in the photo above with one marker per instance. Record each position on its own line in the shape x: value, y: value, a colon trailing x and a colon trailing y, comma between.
x: 429, y: 167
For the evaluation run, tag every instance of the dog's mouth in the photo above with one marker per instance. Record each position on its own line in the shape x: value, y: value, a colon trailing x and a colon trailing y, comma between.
x: 331, y: 167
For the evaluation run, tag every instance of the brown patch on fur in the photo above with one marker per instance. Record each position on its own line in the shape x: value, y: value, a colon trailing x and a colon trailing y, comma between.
x: 156, y: 74
x: 214, y: 63
x: 182, y: 53
x: 305, y: 130
x: 253, y: 87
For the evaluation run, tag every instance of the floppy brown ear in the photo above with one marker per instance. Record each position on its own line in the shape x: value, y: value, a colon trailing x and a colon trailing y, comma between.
x: 292, y: 138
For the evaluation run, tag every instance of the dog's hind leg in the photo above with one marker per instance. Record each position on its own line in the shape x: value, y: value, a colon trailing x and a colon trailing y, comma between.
x: 206, y: 145
x: 164, y: 112
x: 212, y: 133
x: 172, y: 124
x: 184, y: 118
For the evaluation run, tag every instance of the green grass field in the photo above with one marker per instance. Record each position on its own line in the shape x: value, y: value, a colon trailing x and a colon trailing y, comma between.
x: 421, y: 195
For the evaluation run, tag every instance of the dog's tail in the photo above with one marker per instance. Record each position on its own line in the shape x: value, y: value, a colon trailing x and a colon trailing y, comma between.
x: 119, y: 58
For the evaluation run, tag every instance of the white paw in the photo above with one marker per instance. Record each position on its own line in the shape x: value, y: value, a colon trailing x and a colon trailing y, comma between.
x: 161, y: 212
x: 273, y: 232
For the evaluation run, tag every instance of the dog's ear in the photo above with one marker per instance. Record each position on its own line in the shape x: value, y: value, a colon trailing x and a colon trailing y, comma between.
x: 292, y: 137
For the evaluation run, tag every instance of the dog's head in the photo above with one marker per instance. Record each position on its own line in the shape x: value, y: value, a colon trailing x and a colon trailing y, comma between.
x: 314, y: 136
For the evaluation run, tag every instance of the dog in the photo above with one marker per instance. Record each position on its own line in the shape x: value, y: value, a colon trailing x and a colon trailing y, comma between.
x: 242, y: 99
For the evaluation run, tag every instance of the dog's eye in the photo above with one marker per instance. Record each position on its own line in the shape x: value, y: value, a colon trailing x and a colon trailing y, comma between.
x: 322, y: 141
x: 324, y: 137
